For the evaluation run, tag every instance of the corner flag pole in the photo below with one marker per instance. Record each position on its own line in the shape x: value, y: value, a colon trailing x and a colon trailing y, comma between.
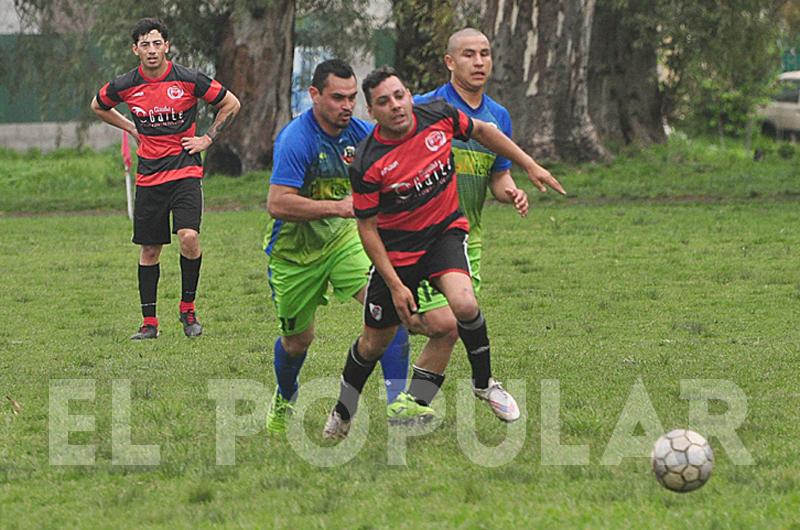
x: 126, y: 162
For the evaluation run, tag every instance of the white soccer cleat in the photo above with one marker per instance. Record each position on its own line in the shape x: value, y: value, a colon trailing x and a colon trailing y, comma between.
x: 502, y: 403
x: 335, y: 427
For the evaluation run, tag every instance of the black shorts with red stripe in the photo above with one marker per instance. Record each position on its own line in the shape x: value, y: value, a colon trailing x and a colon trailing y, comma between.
x: 448, y: 253
x: 153, y: 204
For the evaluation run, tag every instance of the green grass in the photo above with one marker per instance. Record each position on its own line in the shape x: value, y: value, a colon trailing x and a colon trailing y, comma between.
x: 596, y: 293
x: 684, y: 169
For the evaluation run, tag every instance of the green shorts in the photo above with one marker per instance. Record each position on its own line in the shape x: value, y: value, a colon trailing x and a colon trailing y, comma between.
x: 431, y: 298
x: 297, y: 290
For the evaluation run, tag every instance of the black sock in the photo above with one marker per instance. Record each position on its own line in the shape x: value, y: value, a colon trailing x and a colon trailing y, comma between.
x: 354, y: 377
x: 424, y: 385
x: 190, y: 275
x: 148, y: 288
x: 476, y: 339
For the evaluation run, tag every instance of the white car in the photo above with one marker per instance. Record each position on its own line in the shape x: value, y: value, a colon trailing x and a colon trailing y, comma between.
x: 781, y: 117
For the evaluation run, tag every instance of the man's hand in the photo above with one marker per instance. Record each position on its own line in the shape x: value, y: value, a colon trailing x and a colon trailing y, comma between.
x: 196, y: 144
x: 539, y: 176
x: 405, y: 305
x: 519, y: 199
x: 345, y: 207
x: 135, y: 135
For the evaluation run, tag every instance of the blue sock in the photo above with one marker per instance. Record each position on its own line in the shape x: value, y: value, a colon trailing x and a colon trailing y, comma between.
x: 394, y: 364
x: 287, y: 368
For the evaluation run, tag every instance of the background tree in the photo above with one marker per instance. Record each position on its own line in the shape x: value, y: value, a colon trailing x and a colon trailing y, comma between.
x: 541, y: 55
x: 625, y: 99
x: 719, y: 58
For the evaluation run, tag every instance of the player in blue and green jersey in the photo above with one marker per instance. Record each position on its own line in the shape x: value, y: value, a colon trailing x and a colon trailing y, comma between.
x: 312, y: 241
x: 479, y: 170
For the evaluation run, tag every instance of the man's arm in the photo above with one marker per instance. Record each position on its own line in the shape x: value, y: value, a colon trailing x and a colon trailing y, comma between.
x: 286, y: 203
x: 227, y: 109
x: 505, y: 190
x: 499, y: 143
x: 402, y: 297
x: 114, y: 118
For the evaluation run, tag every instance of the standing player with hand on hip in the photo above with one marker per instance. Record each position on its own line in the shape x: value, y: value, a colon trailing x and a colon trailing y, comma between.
x: 162, y: 97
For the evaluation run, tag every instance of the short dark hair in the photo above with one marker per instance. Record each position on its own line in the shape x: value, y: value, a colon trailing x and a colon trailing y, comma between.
x: 375, y: 78
x: 336, y: 67
x: 146, y: 25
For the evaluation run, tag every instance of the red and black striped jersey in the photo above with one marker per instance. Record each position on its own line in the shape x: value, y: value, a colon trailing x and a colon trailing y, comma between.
x: 410, y: 184
x: 164, y: 111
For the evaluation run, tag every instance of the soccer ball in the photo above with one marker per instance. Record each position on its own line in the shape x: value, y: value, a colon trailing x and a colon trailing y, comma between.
x: 682, y: 460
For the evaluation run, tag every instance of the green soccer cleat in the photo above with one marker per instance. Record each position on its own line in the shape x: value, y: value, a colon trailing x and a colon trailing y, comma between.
x: 279, y: 411
x: 406, y: 411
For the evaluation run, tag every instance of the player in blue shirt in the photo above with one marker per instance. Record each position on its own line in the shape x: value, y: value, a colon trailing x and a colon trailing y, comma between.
x: 479, y: 170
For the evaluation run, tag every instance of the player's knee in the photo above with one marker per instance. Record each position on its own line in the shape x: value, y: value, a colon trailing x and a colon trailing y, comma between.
x: 190, y: 241
x: 297, y: 344
x: 149, y: 254
x: 465, y: 308
x: 372, y: 346
x: 442, y: 326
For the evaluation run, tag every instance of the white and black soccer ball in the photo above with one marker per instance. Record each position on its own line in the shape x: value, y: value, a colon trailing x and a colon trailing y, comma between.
x: 682, y: 460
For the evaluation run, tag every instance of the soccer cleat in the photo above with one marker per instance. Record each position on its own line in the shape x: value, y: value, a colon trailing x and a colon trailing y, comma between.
x: 147, y: 331
x: 279, y: 411
x: 502, y: 403
x: 335, y: 427
x: 406, y: 411
x: 191, y: 326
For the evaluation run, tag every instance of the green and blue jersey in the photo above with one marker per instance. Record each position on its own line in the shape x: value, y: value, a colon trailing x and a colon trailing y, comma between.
x: 307, y: 158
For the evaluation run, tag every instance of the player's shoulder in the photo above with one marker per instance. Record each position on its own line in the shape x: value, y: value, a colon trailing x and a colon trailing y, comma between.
x: 127, y: 80
x: 183, y: 73
x: 360, y: 129
x: 427, y: 97
x: 498, y: 110
x: 298, y: 136
x: 435, y: 109
x: 367, y: 153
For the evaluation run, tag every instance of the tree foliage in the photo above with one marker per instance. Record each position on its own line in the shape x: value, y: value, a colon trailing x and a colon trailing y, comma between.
x: 719, y: 58
x: 422, y: 28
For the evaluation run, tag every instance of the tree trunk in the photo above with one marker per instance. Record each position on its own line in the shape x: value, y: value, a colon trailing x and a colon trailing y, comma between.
x: 541, y: 53
x: 625, y: 102
x: 255, y: 62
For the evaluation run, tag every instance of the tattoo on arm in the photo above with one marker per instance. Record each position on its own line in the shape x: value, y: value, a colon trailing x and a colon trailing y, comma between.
x: 216, y: 128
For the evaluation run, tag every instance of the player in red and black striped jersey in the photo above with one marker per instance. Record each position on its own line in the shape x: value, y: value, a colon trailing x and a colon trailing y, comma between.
x: 162, y: 98
x: 406, y: 200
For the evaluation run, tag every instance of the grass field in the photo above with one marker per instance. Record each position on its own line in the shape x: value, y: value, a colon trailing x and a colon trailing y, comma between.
x: 654, y: 273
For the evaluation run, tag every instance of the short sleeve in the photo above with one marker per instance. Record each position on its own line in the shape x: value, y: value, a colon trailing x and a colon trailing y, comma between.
x: 462, y: 125
x: 209, y: 90
x: 108, y: 96
x: 291, y: 158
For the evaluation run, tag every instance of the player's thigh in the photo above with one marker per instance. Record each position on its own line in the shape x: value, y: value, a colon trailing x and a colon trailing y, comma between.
x: 151, y: 215
x: 187, y: 204
x: 447, y: 267
x: 349, y: 271
x: 297, y: 291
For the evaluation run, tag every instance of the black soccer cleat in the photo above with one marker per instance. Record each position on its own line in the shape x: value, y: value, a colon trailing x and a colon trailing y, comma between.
x: 147, y: 331
x: 191, y: 326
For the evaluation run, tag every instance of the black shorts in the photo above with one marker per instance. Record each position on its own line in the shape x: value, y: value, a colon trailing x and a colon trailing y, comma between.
x: 447, y: 254
x: 184, y: 198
